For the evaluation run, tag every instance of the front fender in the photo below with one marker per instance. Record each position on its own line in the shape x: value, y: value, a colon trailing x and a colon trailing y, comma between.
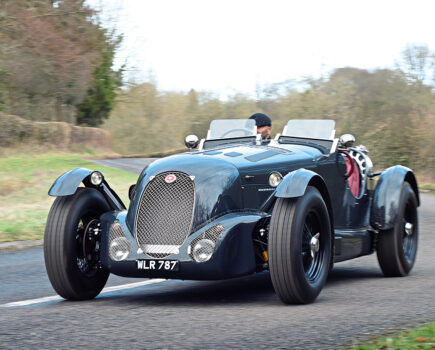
x: 294, y: 184
x: 386, y: 196
x: 67, y: 184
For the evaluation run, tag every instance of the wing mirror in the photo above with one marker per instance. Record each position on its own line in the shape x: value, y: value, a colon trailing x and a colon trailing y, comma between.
x: 191, y: 141
x: 346, y: 140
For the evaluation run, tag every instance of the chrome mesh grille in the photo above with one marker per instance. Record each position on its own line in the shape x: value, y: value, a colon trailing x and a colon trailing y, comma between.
x: 116, y: 234
x: 212, y: 234
x: 158, y: 255
x: 165, y: 214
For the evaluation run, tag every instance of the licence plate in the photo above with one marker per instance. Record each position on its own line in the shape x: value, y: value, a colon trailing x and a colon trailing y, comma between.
x: 165, y: 265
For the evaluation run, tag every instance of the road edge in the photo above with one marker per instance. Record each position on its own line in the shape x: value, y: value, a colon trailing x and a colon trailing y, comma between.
x: 18, y: 245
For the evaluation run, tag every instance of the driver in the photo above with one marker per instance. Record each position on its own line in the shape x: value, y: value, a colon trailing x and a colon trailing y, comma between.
x: 264, y: 125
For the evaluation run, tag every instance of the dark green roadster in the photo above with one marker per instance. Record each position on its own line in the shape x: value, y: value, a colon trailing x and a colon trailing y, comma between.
x: 234, y: 205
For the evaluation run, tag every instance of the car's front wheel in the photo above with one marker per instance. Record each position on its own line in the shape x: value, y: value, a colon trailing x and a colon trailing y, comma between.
x: 72, y: 244
x: 299, y: 247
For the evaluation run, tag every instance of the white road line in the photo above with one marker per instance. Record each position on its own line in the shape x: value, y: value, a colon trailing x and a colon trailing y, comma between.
x: 105, y: 290
x: 32, y: 301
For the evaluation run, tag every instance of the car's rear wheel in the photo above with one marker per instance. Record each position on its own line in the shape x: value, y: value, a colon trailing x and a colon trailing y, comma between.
x: 299, y: 247
x: 72, y: 243
x: 397, y: 247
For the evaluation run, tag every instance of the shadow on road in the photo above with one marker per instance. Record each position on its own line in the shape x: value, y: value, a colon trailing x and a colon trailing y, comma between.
x: 235, y: 291
x: 243, y: 290
x: 347, y: 274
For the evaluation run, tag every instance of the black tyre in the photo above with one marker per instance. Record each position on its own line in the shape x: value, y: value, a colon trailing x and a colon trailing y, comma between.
x: 299, y: 247
x: 71, y: 245
x: 397, y: 247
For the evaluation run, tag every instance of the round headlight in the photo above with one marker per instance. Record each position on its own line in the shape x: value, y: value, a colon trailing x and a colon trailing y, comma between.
x: 203, y: 250
x: 191, y: 141
x: 119, y: 249
x: 96, y: 178
x: 275, y: 179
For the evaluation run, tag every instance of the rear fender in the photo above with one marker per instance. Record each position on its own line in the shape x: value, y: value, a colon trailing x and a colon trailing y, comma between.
x: 67, y: 184
x: 386, y: 196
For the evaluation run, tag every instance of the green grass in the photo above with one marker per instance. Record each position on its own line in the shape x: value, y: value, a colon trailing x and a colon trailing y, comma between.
x: 24, y: 183
x: 426, y: 186
x: 420, y: 338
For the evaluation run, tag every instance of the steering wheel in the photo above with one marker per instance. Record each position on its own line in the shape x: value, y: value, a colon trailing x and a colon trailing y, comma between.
x: 246, y: 132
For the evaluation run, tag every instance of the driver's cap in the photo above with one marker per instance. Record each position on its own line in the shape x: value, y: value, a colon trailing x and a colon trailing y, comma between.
x: 261, y: 119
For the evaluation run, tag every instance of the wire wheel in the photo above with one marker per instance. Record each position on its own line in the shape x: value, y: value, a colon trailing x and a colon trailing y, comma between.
x: 72, y: 245
x: 299, y: 247
x: 312, y: 253
x: 397, y: 247
x: 409, y: 236
x: 88, y: 238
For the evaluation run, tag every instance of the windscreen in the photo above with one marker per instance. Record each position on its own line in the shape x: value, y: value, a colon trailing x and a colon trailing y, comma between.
x: 229, y: 128
x: 310, y: 128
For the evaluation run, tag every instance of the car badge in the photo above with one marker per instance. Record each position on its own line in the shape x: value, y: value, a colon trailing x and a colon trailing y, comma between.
x: 170, y: 178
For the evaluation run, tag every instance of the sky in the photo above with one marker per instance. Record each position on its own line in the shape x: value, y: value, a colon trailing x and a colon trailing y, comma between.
x: 236, y: 46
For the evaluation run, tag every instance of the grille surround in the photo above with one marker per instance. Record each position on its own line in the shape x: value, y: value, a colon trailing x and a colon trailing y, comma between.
x: 165, y: 214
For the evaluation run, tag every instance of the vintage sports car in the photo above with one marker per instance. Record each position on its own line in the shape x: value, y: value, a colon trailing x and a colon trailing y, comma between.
x: 233, y: 205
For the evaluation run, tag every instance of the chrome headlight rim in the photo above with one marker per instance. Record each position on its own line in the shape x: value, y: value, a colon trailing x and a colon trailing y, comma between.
x: 119, y: 249
x: 96, y: 178
x: 119, y: 245
x: 275, y: 178
x: 198, y: 253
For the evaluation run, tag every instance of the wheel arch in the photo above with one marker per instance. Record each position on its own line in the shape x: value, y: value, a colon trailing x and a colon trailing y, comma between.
x: 295, y: 183
x: 386, y: 196
x: 318, y: 182
x: 67, y: 184
x: 412, y: 180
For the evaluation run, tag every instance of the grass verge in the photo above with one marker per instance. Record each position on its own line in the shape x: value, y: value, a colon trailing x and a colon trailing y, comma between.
x: 24, y: 182
x: 419, y: 338
x: 427, y: 187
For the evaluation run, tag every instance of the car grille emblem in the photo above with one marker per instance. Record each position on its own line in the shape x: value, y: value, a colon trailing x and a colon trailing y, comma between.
x: 170, y: 178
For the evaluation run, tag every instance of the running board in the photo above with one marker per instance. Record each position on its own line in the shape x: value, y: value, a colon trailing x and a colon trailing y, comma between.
x: 350, y: 244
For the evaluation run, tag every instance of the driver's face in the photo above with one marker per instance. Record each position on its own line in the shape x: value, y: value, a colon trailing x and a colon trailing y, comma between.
x: 265, y: 132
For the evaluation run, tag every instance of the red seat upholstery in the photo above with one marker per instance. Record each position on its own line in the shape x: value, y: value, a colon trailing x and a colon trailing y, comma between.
x: 352, y: 172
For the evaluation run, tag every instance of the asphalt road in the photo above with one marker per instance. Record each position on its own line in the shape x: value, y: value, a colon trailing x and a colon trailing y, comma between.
x: 134, y: 165
x: 356, y: 304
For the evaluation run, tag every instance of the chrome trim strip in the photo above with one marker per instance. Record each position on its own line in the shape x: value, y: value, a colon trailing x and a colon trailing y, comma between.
x: 334, y: 146
x: 201, y: 145
x: 161, y: 249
